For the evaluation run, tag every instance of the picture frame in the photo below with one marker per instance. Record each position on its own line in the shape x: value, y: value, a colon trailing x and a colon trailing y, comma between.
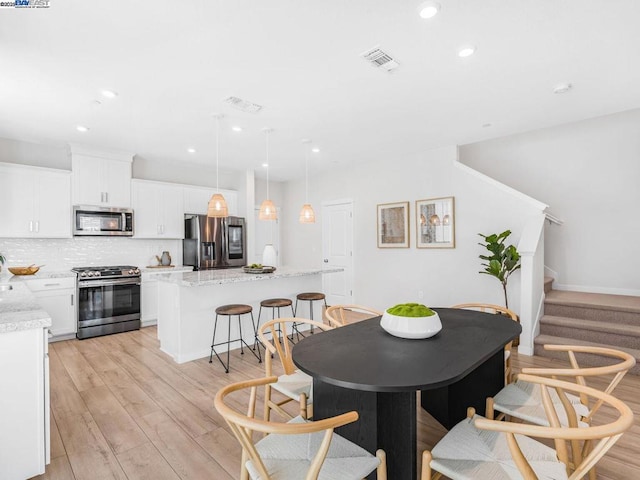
x: 393, y: 225
x: 435, y: 223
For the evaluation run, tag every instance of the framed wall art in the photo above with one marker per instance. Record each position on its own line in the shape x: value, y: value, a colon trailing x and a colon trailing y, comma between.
x: 435, y: 223
x: 393, y: 225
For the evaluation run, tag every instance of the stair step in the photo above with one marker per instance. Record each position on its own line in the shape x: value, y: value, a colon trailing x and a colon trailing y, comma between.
x: 618, y: 334
x: 593, y: 306
x: 583, y: 359
x: 548, y: 282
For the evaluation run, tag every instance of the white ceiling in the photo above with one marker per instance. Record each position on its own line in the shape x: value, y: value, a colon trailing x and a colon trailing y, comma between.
x: 174, y: 62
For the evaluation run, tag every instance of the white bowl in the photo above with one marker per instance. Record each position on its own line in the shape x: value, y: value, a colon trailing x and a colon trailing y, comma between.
x: 411, y: 327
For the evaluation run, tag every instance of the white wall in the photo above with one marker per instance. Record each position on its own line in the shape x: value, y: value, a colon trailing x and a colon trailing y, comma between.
x: 14, y: 151
x: 384, y: 277
x: 588, y: 172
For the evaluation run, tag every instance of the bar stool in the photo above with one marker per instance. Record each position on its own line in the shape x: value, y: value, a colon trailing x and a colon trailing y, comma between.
x: 308, y: 297
x: 229, y: 310
x: 273, y: 304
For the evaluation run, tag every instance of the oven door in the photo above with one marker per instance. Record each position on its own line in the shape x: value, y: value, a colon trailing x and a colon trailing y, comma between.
x: 102, y: 302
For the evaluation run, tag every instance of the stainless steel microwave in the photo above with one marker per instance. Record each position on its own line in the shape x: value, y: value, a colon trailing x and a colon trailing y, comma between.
x: 90, y: 220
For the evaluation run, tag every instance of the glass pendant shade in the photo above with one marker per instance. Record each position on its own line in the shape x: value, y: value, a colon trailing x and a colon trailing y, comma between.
x: 268, y: 211
x: 434, y: 220
x: 307, y: 215
x: 217, y: 207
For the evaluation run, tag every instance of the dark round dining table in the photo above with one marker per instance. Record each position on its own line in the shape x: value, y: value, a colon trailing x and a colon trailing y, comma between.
x: 361, y: 367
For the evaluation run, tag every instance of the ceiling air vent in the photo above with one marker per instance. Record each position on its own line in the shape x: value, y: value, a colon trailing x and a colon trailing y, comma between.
x: 243, y: 105
x: 380, y: 59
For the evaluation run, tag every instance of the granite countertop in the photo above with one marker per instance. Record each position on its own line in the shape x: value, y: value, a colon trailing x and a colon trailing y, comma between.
x: 19, y: 309
x: 7, y: 276
x: 235, y: 275
x: 173, y: 269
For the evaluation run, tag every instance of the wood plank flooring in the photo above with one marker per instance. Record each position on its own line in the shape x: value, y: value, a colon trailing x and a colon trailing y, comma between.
x: 122, y: 409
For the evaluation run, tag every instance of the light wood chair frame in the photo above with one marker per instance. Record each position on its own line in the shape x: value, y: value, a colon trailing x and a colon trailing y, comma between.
x: 243, y: 427
x: 574, y: 445
x: 491, y: 308
x: 579, y: 374
x: 336, y: 313
x: 278, y: 345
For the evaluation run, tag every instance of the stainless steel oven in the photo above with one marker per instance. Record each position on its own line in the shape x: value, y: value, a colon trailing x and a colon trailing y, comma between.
x: 108, y: 300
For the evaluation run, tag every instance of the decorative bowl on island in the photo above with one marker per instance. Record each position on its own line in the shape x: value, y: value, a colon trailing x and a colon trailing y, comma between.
x: 411, y: 320
x: 30, y: 270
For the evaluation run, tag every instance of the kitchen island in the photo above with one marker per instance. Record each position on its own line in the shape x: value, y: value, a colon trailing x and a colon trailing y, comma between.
x: 24, y: 376
x: 187, y: 303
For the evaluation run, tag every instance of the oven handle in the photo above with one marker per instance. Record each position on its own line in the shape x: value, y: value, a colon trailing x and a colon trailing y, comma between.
x: 102, y: 283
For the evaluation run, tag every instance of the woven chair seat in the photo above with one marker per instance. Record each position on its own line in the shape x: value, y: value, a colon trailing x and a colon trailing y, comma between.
x: 288, y: 457
x: 295, y: 384
x: 523, y: 400
x: 472, y: 454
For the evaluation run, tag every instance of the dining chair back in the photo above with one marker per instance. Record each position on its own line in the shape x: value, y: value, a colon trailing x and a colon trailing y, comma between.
x: 519, y: 400
x: 478, y: 447
x: 293, y: 384
x: 496, y: 309
x: 340, y: 315
x: 298, y: 449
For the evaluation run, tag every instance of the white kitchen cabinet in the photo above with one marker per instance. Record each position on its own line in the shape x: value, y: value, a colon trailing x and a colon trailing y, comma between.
x: 196, y: 199
x: 158, y: 209
x: 37, y: 202
x: 101, y: 178
x: 56, y: 296
x: 24, y: 403
x: 149, y: 292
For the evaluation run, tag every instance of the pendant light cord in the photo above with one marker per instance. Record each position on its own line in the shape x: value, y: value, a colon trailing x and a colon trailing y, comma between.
x: 217, y: 154
x: 268, y: 165
x: 306, y: 175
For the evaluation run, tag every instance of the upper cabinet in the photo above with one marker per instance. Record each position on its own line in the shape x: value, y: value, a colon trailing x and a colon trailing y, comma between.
x: 158, y: 209
x: 196, y: 199
x: 36, y: 202
x: 101, y: 178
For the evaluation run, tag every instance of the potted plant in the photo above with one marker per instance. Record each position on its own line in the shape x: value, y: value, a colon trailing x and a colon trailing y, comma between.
x: 2, y: 260
x: 502, y: 260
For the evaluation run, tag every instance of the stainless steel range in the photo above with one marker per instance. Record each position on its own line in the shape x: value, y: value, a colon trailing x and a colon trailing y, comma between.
x: 108, y: 300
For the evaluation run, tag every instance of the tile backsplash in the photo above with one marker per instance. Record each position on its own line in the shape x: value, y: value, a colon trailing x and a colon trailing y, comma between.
x: 63, y: 254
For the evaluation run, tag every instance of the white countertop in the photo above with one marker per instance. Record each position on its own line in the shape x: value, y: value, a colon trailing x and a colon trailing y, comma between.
x: 235, y: 275
x: 19, y: 309
x: 172, y: 269
x: 7, y: 276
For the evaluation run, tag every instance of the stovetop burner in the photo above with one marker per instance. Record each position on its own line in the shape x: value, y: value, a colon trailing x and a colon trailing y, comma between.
x: 118, y: 271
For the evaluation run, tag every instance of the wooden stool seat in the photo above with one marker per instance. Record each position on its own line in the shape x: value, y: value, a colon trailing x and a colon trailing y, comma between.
x: 237, y: 309
x: 234, y: 309
x: 310, y: 296
x: 276, y: 302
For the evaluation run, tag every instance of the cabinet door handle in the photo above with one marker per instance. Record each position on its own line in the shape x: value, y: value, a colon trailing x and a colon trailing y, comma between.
x: 37, y: 226
x: 106, y: 195
x: 51, y: 284
x: 31, y: 225
x: 72, y: 299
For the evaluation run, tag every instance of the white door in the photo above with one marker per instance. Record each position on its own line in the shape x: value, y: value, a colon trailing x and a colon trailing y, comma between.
x: 337, y: 251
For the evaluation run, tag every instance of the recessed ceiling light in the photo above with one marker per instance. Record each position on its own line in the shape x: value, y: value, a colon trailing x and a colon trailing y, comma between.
x: 487, y: 125
x: 315, y: 150
x: 562, y: 88
x: 82, y: 128
x: 265, y: 165
x: 466, y: 51
x: 236, y: 129
x: 109, y: 93
x: 428, y: 9
x: 191, y: 150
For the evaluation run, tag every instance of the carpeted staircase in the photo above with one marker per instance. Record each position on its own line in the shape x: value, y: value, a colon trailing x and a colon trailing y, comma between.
x: 576, y: 318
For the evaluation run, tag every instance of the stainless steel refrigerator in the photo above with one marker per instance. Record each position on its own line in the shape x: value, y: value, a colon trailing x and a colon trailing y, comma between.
x: 214, y: 242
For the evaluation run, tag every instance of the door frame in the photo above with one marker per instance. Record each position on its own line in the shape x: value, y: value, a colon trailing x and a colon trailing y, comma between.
x: 342, y: 201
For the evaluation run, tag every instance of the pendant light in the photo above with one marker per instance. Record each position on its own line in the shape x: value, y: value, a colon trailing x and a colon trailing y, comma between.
x: 267, y: 208
x: 307, y: 215
x: 217, y: 204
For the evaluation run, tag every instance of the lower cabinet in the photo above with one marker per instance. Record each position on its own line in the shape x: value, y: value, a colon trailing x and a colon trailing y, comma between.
x: 57, y: 297
x: 149, y: 293
x: 24, y: 403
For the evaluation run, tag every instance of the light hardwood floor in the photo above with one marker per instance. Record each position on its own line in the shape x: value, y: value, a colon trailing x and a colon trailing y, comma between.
x: 122, y: 409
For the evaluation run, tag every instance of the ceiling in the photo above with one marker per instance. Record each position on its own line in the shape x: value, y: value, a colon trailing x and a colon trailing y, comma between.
x: 173, y: 63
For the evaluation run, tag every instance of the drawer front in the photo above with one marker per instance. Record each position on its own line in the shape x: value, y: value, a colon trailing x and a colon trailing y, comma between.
x: 41, y: 284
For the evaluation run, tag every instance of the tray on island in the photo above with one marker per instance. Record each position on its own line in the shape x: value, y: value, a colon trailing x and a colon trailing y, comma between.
x: 264, y: 269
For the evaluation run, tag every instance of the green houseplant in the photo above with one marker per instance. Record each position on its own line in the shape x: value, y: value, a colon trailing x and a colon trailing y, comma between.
x: 2, y: 260
x: 502, y: 259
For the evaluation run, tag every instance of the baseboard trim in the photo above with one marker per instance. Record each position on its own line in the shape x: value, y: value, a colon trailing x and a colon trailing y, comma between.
x: 586, y: 289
